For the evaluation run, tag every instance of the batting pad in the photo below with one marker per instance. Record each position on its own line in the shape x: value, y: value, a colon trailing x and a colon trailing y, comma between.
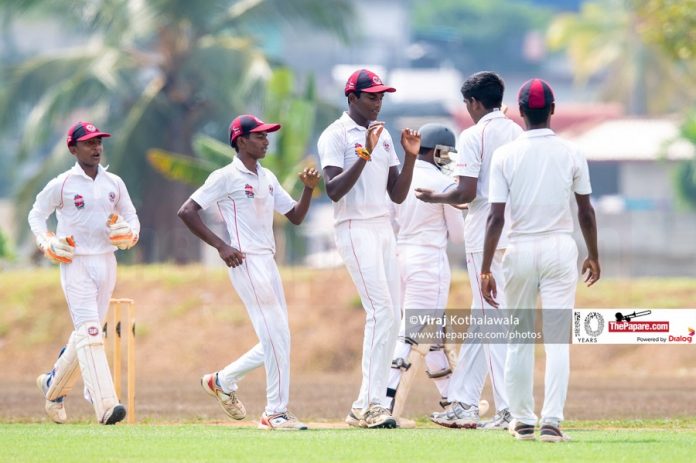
x: 65, y: 372
x: 95, y: 368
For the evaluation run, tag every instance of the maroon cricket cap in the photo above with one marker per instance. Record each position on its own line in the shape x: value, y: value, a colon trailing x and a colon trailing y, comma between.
x: 535, y: 94
x: 81, y: 131
x: 366, y: 81
x: 248, y: 123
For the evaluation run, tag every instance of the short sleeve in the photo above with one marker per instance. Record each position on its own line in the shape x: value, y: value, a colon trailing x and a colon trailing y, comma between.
x: 393, y: 158
x: 468, y: 157
x: 581, y: 176
x: 331, y: 146
x: 498, y: 188
x: 282, y: 201
x: 212, y: 190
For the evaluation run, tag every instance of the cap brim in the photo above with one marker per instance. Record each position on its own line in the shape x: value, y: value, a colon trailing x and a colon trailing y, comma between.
x: 379, y: 89
x: 266, y: 128
x: 94, y: 135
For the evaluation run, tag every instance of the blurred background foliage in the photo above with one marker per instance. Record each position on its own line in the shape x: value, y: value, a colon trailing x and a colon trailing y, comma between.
x: 166, y: 77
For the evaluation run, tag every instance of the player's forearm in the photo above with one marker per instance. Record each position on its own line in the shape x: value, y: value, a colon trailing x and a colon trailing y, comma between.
x: 338, y: 186
x: 299, y: 211
x: 37, y: 222
x: 399, y: 190
x: 193, y: 221
x: 588, y: 226
x: 494, y: 228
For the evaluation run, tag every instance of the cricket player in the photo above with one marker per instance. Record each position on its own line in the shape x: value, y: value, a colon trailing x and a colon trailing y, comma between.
x: 95, y: 217
x: 422, y: 233
x: 483, y: 96
x: 246, y: 194
x: 536, y: 175
x: 360, y: 164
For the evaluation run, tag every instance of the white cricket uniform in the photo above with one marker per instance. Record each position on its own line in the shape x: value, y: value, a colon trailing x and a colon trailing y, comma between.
x: 366, y: 243
x: 475, y: 148
x: 246, y: 201
x: 82, y: 206
x: 423, y: 231
x: 535, y: 176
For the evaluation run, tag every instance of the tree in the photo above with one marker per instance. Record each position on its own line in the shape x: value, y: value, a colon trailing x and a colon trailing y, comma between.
x: 607, y: 39
x: 154, y: 73
x: 296, y: 114
x: 685, y: 178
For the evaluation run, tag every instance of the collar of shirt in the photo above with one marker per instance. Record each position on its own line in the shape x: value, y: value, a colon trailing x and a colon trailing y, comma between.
x: 537, y: 133
x: 349, y: 123
x: 77, y: 170
x: 495, y: 114
x: 239, y: 165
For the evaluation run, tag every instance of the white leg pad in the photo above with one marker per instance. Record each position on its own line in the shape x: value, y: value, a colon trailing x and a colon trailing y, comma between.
x: 65, y: 372
x: 438, y: 369
x: 95, y: 368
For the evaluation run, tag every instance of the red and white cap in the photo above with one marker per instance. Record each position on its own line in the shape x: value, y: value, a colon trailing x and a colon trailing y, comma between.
x: 367, y: 81
x: 248, y: 123
x: 81, y: 131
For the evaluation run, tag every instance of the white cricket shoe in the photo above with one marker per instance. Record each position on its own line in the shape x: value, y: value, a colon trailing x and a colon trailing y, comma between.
x: 229, y: 402
x: 354, y: 418
x: 114, y: 415
x: 377, y: 416
x: 55, y: 409
x: 458, y: 415
x: 501, y: 420
x: 281, y: 422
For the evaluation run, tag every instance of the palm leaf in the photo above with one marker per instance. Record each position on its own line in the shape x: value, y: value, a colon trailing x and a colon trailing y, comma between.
x: 179, y: 167
x: 212, y: 150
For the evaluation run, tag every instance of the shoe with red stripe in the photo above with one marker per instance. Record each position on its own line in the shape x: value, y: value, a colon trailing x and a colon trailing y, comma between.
x: 281, y: 422
x: 229, y: 402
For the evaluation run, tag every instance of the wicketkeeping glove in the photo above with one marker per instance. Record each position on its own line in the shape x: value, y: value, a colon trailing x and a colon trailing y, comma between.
x: 57, y: 250
x: 120, y: 233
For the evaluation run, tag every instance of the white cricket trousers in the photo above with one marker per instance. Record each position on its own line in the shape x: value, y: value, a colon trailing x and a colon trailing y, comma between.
x: 543, y: 266
x: 88, y: 283
x: 478, y: 358
x: 368, y: 249
x: 259, y: 286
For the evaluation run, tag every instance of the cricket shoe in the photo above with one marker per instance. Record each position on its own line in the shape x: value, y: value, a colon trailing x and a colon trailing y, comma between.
x: 377, y: 416
x: 281, y: 422
x: 501, y: 420
x: 55, y: 409
x: 458, y: 415
x: 114, y: 415
x: 229, y: 402
x: 551, y: 433
x: 521, y: 431
x: 354, y: 418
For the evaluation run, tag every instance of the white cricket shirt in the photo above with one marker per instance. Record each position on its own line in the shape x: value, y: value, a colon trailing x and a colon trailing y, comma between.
x: 82, y: 206
x: 246, y: 202
x: 535, y: 175
x: 366, y: 200
x: 426, y: 224
x: 475, y: 148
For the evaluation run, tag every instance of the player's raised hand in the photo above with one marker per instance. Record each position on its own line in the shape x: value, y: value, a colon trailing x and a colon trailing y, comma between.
x: 231, y: 256
x: 309, y: 177
x: 410, y: 141
x: 591, y: 266
x: 374, y: 131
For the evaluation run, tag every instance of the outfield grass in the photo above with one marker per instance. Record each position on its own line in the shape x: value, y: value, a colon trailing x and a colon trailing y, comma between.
x: 663, y: 441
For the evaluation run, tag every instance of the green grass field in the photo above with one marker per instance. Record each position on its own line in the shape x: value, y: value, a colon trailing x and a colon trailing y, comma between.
x: 628, y: 441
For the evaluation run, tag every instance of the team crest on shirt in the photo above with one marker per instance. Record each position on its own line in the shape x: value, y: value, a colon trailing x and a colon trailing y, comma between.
x: 358, y: 146
x: 249, y: 191
x: 112, y: 196
x: 386, y: 145
x: 79, y: 201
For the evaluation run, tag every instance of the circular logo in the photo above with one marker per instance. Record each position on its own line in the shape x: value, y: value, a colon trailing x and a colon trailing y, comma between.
x: 93, y: 331
x: 594, y: 324
x: 90, y: 127
x: 376, y: 80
